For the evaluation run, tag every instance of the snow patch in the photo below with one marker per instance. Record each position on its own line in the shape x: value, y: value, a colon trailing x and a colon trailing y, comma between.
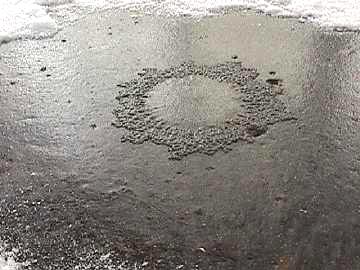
x: 24, y: 20
x: 327, y: 13
x: 7, y: 262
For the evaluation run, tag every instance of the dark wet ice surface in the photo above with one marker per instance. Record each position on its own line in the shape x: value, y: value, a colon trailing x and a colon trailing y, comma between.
x: 290, y: 200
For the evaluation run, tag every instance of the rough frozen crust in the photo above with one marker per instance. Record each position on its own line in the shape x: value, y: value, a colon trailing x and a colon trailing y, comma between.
x: 258, y: 108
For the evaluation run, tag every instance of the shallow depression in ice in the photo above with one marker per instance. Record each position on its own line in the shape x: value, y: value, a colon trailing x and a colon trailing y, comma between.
x: 194, y: 101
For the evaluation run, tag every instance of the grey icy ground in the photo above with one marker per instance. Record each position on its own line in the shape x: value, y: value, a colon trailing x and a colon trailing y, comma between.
x: 84, y: 188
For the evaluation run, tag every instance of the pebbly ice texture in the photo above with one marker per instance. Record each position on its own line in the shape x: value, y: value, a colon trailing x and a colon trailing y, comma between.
x: 257, y: 101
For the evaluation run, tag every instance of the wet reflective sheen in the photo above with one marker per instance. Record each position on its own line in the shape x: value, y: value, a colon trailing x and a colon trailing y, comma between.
x: 194, y: 101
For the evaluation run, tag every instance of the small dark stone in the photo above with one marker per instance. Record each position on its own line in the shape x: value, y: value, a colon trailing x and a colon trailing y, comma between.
x: 43, y: 69
x: 250, y: 257
x: 48, y: 75
x: 280, y: 197
x: 110, y: 34
x: 63, y: 40
x: 256, y: 130
x: 354, y: 118
x: 272, y: 73
x: 93, y: 126
x: 199, y: 211
x: 234, y: 57
x: 12, y: 82
x: 274, y: 81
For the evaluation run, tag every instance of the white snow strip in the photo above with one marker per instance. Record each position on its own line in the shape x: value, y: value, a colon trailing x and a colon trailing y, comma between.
x: 328, y: 13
